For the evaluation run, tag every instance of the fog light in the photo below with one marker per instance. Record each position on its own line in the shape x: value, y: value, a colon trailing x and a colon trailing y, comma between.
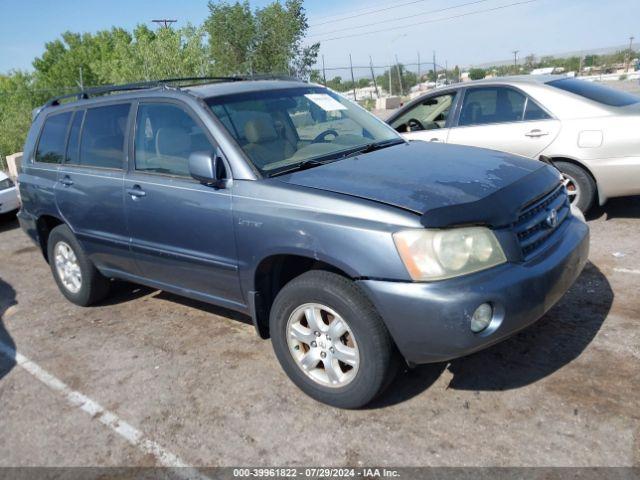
x: 481, y: 318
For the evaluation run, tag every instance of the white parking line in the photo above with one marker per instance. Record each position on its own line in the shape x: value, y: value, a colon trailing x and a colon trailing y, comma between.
x: 627, y: 270
x: 134, y: 436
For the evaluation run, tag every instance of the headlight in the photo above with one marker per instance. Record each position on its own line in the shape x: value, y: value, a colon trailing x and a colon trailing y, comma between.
x: 438, y: 254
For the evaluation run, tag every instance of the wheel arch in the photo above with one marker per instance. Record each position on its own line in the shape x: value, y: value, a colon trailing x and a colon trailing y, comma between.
x: 44, y: 225
x: 583, y: 166
x: 272, y: 274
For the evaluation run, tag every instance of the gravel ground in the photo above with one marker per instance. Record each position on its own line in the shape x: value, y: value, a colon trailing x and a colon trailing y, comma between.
x: 197, y: 381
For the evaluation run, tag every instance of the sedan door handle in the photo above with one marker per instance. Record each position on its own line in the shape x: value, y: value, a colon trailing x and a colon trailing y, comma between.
x: 66, y: 181
x: 136, y: 191
x: 536, y: 133
x: 435, y: 139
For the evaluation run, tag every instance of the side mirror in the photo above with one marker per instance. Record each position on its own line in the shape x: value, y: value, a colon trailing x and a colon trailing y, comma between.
x: 208, y: 168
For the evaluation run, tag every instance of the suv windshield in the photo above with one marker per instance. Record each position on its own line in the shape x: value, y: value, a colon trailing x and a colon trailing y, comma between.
x: 596, y: 92
x: 280, y: 130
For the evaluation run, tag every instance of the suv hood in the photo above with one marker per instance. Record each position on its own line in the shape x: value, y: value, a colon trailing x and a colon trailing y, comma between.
x: 446, y: 184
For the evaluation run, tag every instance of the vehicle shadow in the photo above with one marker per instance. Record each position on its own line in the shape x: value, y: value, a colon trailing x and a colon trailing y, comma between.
x: 122, y: 292
x: 8, y: 221
x: 7, y: 345
x: 531, y: 355
x: 623, y: 207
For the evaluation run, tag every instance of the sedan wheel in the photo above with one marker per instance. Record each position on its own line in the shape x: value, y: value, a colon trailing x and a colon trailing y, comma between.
x: 322, y: 345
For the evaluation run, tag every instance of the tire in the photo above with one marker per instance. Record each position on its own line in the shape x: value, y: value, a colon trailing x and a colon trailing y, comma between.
x: 377, y: 357
x: 93, y: 286
x: 583, y: 183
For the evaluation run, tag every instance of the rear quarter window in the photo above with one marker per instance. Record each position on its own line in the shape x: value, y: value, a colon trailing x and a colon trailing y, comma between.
x: 52, y: 139
x: 596, y: 92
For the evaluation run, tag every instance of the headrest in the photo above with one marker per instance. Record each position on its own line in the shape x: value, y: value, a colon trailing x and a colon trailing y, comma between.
x: 260, y: 129
x: 173, y: 141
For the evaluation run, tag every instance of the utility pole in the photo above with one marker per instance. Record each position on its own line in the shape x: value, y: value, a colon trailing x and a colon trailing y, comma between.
x: 630, y: 53
x: 390, y: 87
x: 373, y: 77
x: 164, y: 21
x: 399, y: 75
x: 81, y: 82
x: 353, y: 81
x: 515, y: 59
x: 324, y: 73
x: 419, y: 73
x: 435, y: 69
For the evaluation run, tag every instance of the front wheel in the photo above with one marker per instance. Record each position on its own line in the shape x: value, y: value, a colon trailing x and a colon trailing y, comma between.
x: 331, y: 341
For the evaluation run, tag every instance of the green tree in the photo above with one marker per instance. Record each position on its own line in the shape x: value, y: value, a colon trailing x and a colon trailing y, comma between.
x: 477, y: 73
x: 265, y: 41
x: 17, y: 99
x: 409, y: 79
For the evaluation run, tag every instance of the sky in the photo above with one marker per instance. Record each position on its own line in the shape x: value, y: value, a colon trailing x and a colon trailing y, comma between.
x: 402, y: 28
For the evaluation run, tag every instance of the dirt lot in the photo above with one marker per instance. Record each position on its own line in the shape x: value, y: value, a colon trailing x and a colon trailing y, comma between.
x: 196, y: 380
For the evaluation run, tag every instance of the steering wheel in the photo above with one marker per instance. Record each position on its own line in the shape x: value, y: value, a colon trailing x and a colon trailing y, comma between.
x: 321, y: 137
x: 414, y: 124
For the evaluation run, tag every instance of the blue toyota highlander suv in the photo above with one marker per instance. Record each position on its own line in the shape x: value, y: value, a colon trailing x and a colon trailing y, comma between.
x: 349, y: 247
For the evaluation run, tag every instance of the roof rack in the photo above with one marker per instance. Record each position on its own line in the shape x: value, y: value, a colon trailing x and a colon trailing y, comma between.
x: 190, y: 81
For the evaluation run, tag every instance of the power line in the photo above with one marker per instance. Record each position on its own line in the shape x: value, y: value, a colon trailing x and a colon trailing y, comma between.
x: 429, y: 21
x: 349, y: 12
x: 453, y: 7
x: 392, y: 7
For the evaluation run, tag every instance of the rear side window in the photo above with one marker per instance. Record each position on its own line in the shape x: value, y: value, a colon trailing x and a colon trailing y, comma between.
x: 54, y: 135
x: 165, y: 137
x: 483, y: 106
x: 102, y: 138
x: 533, y: 111
x: 596, y: 92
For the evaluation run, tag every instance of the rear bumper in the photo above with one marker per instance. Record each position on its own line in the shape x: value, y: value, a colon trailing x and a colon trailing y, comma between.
x: 430, y: 321
x: 28, y: 225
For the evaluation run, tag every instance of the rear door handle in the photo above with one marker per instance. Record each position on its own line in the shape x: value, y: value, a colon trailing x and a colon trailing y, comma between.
x: 436, y: 139
x: 66, y: 181
x: 536, y: 133
x: 136, y: 191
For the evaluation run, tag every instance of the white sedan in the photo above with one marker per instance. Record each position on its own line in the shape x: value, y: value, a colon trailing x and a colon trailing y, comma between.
x: 590, y: 132
x: 8, y: 194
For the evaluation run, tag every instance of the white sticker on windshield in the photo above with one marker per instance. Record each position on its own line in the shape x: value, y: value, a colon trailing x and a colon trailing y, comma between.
x: 325, y: 102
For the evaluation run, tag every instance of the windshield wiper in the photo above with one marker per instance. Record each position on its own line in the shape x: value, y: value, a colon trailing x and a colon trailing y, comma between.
x: 332, y: 157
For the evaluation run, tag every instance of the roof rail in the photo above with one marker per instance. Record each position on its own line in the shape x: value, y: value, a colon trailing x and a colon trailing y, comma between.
x: 102, y: 90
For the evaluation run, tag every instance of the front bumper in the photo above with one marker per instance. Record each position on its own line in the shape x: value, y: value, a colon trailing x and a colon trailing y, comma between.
x: 430, y: 321
x: 9, y: 200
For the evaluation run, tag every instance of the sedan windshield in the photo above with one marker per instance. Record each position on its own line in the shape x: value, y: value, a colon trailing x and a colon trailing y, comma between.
x: 281, y: 130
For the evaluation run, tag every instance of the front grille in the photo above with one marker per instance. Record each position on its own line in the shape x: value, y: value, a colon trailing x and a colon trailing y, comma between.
x: 537, y: 221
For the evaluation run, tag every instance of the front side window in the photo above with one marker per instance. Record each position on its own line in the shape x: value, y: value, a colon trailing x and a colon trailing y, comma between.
x: 430, y: 114
x: 487, y: 105
x: 165, y: 137
x: 596, y: 92
x: 283, y: 129
x: 102, y: 138
x: 54, y: 135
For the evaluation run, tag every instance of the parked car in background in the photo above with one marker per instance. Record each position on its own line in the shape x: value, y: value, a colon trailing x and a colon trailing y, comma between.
x: 9, y: 201
x: 588, y: 130
x: 347, y: 245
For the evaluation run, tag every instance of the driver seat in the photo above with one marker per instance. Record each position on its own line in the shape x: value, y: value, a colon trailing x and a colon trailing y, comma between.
x: 264, y: 145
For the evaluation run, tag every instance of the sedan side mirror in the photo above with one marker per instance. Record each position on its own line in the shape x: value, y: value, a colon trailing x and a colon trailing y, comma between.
x: 208, y: 168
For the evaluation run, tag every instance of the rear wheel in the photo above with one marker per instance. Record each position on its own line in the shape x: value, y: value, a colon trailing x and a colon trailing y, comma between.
x: 580, y: 186
x: 76, y: 276
x: 331, y: 341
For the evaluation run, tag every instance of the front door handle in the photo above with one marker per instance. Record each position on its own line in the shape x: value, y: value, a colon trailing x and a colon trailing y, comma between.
x: 435, y: 139
x: 136, y: 191
x: 66, y: 181
x: 536, y: 133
